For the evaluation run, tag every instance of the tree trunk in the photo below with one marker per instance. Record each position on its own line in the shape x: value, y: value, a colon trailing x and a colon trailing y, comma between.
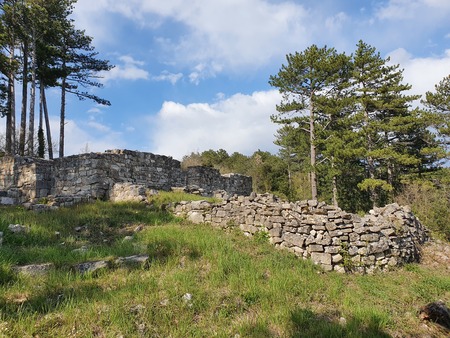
x: 32, y: 97
x: 370, y: 163
x: 47, y: 123
x: 62, y: 117
x: 23, y: 115
x: 11, y: 115
x: 334, y: 183
x: 312, y: 138
x: 41, y: 140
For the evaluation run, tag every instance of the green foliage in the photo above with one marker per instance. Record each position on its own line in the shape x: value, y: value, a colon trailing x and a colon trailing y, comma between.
x: 430, y: 200
x: 438, y: 112
x: 261, y: 237
x: 349, y: 122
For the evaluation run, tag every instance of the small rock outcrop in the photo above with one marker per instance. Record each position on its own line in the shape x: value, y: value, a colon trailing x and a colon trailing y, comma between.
x: 337, y: 240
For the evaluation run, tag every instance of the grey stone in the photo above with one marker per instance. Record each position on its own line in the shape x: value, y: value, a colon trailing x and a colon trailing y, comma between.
x: 90, y: 267
x: 132, y: 260
x: 321, y: 258
x: 34, y: 269
x: 196, y: 217
x: 17, y: 228
x: 294, y: 239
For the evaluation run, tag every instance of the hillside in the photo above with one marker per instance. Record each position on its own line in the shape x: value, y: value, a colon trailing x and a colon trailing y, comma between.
x: 197, y: 282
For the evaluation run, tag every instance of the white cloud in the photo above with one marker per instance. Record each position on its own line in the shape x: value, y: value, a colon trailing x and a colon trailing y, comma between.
x: 336, y: 22
x: 422, y: 73
x: 420, y: 10
x: 167, y: 76
x: 93, y: 135
x: 399, y: 9
x: 239, y: 123
x: 232, y: 34
x: 130, y: 69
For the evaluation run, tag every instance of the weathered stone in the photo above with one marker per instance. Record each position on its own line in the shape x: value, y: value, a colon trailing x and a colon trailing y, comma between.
x: 248, y: 228
x: 321, y: 258
x: 90, y: 267
x: 17, y: 228
x: 337, y: 258
x: 275, y: 232
x: 332, y: 249
x: 196, y: 217
x: 294, y: 239
x: 315, y: 248
x: 330, y: 226
x: 34, y: 269
x: 132, y: 260
x: 370, y: 237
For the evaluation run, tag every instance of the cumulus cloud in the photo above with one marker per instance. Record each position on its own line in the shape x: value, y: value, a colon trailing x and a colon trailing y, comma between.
x: 233, y: 34
x: 168, y: 76
x: 238, y: 123
x: 129, y: 69
x: 92, y: 136
x: 336, y: 22
x: 422, y: 73
x: 422, y: 10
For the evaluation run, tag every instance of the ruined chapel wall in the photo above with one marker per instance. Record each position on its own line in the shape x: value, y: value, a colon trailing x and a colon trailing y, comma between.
x: 93, y: 176
x: 23, y: 179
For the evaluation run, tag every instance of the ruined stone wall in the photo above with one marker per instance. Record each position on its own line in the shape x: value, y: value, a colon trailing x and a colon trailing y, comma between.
x: 83, y: 177
x: 23, y: 179
x: 337, y: 240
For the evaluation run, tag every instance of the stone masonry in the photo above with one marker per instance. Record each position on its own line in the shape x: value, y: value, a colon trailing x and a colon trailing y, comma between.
x: 336, y: 240
x: 77, y: 178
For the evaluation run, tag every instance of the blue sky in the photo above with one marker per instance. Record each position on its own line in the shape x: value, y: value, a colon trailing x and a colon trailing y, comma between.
x: 193, y: 75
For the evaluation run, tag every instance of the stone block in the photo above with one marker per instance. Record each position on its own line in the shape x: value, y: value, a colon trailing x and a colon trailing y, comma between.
x: 275, y: 232
x: 196, y: 217
x: 316, y: 248
x: 294, y: 239
x: 337, y: 258
x: 248, y: 228
x: 321, y: 258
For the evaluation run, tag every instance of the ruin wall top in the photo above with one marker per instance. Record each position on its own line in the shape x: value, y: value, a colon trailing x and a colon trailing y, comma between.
x: 93, y: 175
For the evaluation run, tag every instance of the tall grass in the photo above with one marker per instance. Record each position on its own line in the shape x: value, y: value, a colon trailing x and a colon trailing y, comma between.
x: 237, y: 285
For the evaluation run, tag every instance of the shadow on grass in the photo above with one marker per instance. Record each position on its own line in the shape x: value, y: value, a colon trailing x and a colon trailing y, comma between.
x: 308, y: 324
x: 52, y: 236
x: 161, y: 250
x: 48, y: 299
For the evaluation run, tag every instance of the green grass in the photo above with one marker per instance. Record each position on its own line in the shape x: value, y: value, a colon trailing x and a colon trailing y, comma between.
x: 238, y: 285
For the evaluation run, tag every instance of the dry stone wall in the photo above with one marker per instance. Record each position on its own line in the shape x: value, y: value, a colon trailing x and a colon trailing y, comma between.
x: 115, y: 174
x: 337, y: 240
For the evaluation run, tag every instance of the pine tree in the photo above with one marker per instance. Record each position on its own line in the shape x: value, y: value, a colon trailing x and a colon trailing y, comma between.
x: 438, y: 110
x: 384, y: 121
x: 308, y: 79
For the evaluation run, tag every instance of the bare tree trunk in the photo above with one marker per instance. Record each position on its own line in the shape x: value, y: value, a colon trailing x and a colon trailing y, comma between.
x: 334, y: 183
x: 371, y: 163
x: 41, y: 140
x: 62, y: 117
x: 23, y: 115
x: 11, y: 116
x: 312, y: 138
x: 47, y: 123
x: 32, y: 97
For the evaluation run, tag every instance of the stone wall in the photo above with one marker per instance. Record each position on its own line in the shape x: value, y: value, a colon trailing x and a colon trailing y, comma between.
x: 337, y: 240
x: 23, y: 179
x: 83, y: 177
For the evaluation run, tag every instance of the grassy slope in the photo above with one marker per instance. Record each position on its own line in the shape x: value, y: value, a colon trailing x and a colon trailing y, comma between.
x: 238, y: 285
